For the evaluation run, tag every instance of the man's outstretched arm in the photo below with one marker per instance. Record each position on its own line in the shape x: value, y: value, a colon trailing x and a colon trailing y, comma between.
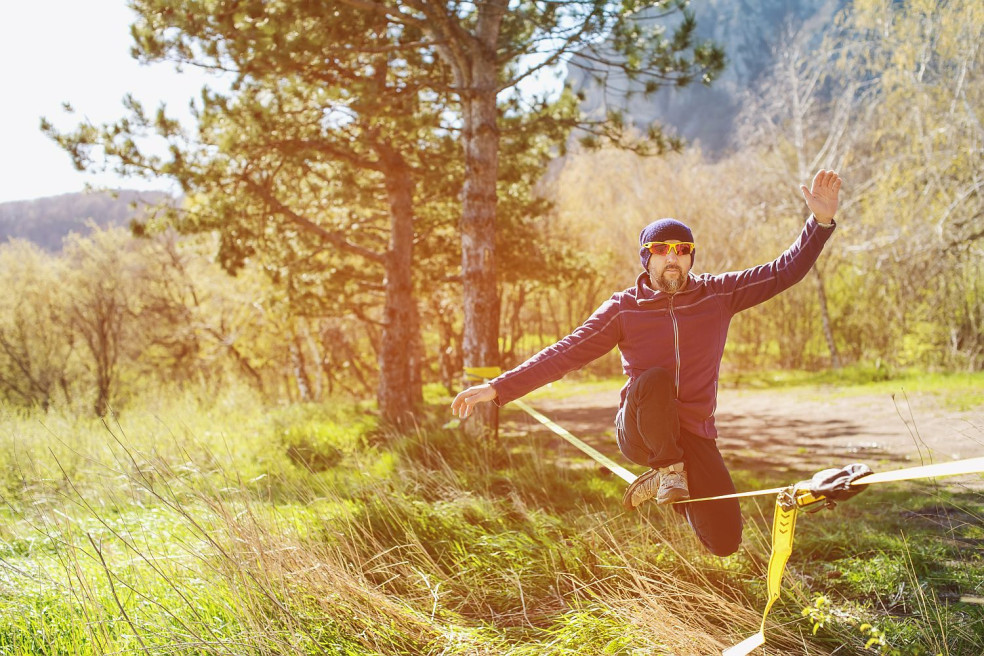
x: 823, y: 198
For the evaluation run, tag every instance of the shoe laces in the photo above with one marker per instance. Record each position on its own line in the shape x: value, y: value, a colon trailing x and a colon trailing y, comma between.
x: 647, y: 488
x: 671, y: 478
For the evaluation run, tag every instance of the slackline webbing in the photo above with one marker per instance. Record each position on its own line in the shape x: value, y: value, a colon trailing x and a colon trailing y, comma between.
x: 789, y: 500
x: 954, y: 468
x: 487, y: 373
x: 597, y: 456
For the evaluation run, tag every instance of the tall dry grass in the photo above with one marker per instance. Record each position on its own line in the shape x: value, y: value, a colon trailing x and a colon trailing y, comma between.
x: 249, y: 531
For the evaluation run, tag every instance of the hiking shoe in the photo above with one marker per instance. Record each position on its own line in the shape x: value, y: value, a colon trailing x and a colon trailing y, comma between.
x: 642, y: 489
x: 672, y: 484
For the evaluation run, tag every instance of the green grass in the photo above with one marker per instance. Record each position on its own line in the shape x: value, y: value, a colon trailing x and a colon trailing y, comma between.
x: 244, y: 529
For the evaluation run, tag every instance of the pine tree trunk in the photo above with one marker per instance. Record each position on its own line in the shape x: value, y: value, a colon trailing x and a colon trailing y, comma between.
x: 480, y: 346
x: 399, y: 386
x: 472, y: 55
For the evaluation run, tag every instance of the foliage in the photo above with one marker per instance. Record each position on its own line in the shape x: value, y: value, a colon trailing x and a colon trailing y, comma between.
x: 821, y: 612
x: 347, y: 126
x: 888, y: 101
x: 35, y: 350
x: 112, y: 319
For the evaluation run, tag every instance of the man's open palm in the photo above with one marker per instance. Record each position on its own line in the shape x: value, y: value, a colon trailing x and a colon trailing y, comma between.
x: 822, y: 199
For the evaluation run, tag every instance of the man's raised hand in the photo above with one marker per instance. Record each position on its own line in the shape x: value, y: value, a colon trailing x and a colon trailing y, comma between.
x: 822, y: 199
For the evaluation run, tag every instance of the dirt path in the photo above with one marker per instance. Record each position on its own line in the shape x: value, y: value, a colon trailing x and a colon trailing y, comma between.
x: 798, y: 431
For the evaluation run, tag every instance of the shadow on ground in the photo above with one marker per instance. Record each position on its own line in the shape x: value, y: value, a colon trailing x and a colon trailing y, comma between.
x: 772, y: 435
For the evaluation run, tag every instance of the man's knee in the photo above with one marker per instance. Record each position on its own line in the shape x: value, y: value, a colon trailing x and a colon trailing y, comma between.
x: 723, y: 547
x: 719, y: 530
x: 656, y: 381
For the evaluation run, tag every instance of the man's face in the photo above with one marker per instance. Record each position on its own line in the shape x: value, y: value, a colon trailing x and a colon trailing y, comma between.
x: 668, y: 273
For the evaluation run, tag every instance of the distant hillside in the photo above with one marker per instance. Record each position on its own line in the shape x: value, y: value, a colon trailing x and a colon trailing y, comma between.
x: 47, y: 221
x: 751, y: 34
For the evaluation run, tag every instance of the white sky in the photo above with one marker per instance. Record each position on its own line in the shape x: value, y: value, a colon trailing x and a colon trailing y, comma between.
x: 75, y: 51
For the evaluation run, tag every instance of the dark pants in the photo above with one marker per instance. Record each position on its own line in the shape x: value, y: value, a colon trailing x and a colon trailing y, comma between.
x: 649, y: 434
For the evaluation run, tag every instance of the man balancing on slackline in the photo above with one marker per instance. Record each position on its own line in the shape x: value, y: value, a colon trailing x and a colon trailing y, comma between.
x: 671, y: 329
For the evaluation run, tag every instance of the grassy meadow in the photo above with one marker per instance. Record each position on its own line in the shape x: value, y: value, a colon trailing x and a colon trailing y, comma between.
x: 238, y: 528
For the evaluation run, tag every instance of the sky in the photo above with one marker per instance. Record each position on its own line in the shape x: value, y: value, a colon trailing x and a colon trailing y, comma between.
x: 54, y: 52
x: 58, y: 51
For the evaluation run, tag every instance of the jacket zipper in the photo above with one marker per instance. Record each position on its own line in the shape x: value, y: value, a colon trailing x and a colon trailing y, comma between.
x: 676, y: 347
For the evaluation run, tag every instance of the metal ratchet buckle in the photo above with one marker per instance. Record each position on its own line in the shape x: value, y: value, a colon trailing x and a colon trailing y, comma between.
x: 798, y: 496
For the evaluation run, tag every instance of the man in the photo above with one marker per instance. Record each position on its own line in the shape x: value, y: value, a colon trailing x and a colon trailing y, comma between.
x: 671, y: 330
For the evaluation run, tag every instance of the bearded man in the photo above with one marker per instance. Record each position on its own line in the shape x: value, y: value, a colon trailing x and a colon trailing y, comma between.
x: 671, y: 329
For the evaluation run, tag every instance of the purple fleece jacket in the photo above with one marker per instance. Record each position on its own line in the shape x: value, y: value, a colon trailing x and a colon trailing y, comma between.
x: 683, y: 332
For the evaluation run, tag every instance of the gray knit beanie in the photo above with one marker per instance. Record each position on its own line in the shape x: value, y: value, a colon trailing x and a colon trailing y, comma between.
x: 663, y: 230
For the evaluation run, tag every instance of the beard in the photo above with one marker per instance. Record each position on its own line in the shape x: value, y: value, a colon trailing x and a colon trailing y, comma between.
x: 669, y: 285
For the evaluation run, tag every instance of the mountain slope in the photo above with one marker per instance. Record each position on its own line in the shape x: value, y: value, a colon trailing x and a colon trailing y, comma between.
x: 47, y: 221
x: 752, y: 33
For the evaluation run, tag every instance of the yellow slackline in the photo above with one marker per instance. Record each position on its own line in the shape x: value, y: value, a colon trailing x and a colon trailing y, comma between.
x: 788, y: 502
x: 482, y: 373
x: 487, y: 373
x: 599, y: 457
x: 954, y: 468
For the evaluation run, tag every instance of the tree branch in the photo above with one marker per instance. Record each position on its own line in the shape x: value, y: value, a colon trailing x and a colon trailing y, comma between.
x: 334, y: 238
x: 389, y: 12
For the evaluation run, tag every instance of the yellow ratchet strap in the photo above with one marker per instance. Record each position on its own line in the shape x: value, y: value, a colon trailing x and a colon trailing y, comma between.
x: 791, y: 499
x: 783, y: 527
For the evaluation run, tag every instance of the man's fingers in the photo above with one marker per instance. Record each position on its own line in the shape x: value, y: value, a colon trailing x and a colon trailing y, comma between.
x: 821, y: 181
x: 464, y: 403
x: 826, y: 184
x: 826, y: 181
x: 464, y: 407
x: 822, y: 197
x: 458, y: 403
